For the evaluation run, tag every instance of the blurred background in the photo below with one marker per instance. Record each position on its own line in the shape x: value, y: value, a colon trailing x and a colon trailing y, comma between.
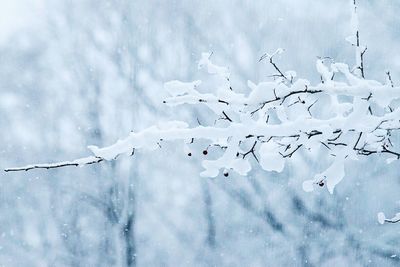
x: 78, y: 73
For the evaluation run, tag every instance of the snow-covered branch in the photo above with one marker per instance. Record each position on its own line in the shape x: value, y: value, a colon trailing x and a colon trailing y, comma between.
x: 277, y: 119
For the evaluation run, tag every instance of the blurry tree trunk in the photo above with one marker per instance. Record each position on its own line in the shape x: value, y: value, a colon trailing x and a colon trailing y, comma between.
x: 128, y: 227
x: 209, y: 216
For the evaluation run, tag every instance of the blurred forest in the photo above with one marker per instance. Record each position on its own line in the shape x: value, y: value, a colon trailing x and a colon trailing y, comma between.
x: 78, y: 73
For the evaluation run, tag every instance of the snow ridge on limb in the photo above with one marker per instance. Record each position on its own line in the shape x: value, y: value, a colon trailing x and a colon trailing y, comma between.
x: 75, y: 163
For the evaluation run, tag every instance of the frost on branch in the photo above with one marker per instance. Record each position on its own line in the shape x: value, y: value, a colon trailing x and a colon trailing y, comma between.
x: 276, y: 120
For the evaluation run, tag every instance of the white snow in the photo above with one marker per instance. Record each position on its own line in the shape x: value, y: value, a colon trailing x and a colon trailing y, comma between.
x: 381, y: 217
